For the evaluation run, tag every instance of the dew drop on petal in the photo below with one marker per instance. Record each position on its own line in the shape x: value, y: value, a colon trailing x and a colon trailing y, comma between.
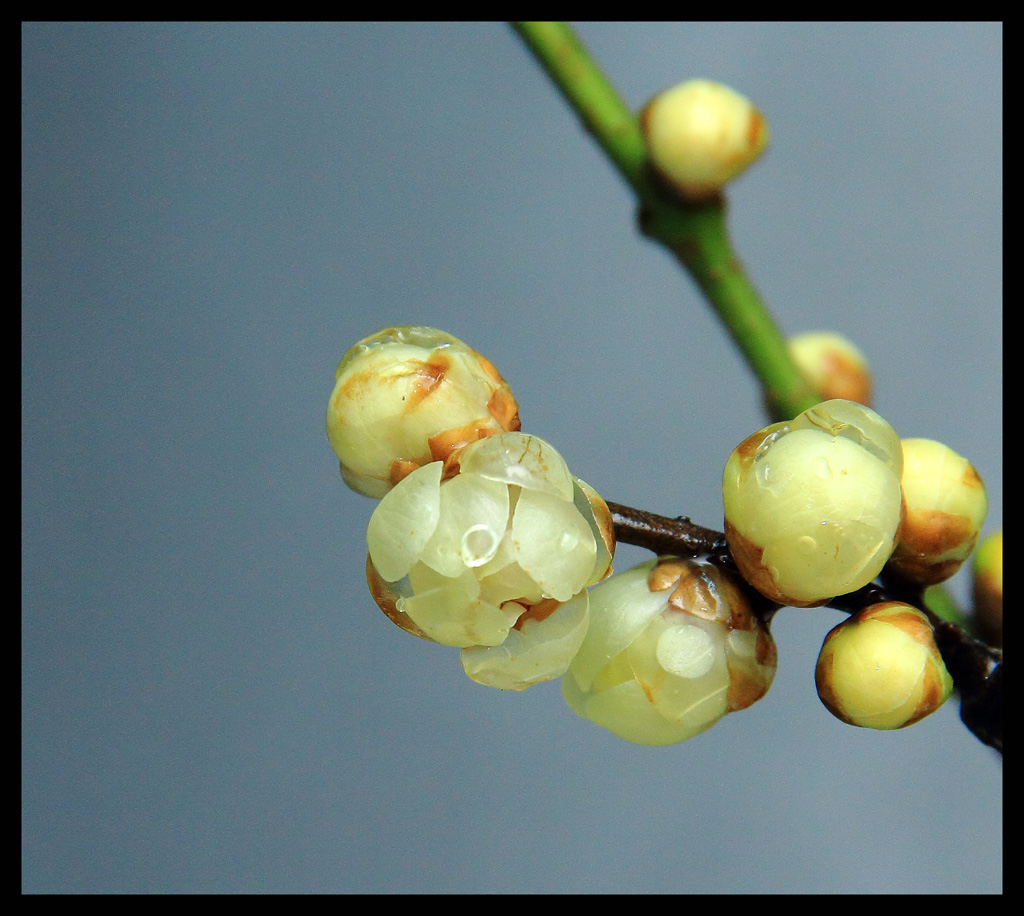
x: 479, y: 545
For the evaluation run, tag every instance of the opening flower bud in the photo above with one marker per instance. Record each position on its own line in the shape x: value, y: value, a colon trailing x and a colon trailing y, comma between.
x: 673, y: 646
x: 700, y: 134
x: 881, y: 668
x: 407, y: 396
x: 493, y: 550
x: 813, y: 506
x: 946, y: 507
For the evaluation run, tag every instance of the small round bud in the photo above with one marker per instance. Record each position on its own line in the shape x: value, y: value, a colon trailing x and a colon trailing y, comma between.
x: 407, y: 396
x: 813, y: 506
x: 492, y: 551
x: 946, y: 507
x: 832, y: 365
x: 881, y: 668
x: 673, y: 646
x: 701, y: 134
x: 988, y: 589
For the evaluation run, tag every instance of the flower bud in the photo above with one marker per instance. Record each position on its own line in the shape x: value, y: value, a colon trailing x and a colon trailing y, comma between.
x: 493, y: 548
x: 673, y: 646
x: 407, y: 396
x: 833, y: 366
x: 813, y: 506
x: 988, y: 589
x: 946, y: 507
x: 881, y: 668
x: 701, y: 134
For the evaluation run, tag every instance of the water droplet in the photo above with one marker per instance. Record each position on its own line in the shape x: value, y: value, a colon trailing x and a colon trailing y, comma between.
x: 479, y: 544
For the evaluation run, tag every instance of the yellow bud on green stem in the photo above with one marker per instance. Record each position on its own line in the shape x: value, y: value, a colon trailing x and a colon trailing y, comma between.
x: 833, y: 365
x: 699, y: 135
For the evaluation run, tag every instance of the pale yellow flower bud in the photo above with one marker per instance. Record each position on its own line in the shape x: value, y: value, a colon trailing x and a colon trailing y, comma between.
x: 492, y: 551
x: 881, y: 668
x: 813, y: 506
x: 700, y: 134
x: 407, y: 396
x: 946, y: 507
x: 832, y: 365
x: 673, y: 646
x: 988, y: 589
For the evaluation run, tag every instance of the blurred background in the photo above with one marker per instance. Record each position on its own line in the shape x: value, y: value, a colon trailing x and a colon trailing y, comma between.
x: 212, y: 213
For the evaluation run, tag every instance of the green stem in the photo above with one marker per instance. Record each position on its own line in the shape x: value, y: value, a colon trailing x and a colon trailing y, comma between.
x: 604, y: 113
x: 699, y: 239
x: 695, y: 234
x: 941, y: 603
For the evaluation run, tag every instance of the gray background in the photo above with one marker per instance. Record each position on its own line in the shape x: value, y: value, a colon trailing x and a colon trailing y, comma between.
x: 213, y: 213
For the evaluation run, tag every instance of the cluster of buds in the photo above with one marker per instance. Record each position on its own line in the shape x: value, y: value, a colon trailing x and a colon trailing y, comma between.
x: 820, y: 506
x: 485, y: 541
x: 482, y: 538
